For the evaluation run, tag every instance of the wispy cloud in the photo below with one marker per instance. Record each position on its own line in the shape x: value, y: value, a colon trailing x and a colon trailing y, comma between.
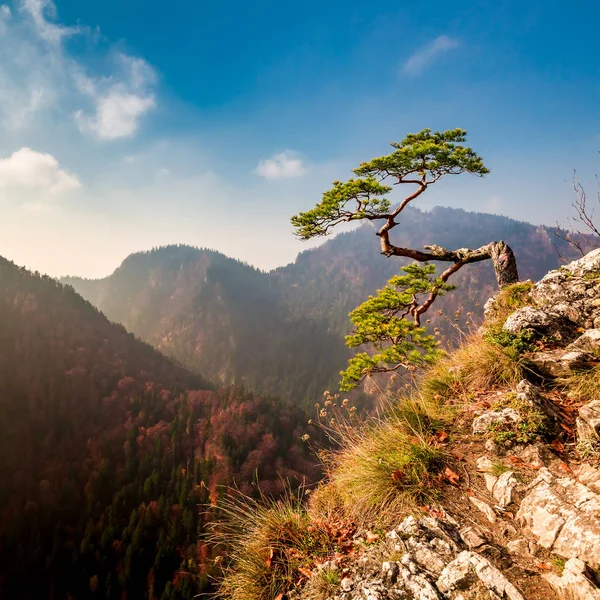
x: 40, y: 77
x: 285, y: 165
x: 43, y: 14
x: 118, y: 104
x: 424, y: 57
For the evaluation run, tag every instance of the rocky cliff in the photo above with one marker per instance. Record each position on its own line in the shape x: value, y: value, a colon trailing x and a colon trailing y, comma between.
x: 508, y: 505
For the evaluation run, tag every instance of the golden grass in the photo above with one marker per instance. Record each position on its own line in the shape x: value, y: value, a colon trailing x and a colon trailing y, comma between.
x: 583, y: 385
x: 385, y: 467
x: 478, y: 365
x: 508, y: 300
x: 268, y: 542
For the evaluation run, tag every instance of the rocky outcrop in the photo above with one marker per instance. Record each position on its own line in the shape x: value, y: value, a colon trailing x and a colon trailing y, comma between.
x: 424, y: 559
x: 532, y: 511
x: 563, y: 301
x: 576, y: 582
x: 572, y: 292
x: 588, y: 423
x: 563, y: 516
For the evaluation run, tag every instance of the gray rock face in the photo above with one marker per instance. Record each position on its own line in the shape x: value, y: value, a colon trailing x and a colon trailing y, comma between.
x: 588, y: 342
x: 573, y: 291
x: 575, y: 583
x: 559, y: 363
x: 528, y: 318
x: 506, y: 416
x: 469, y: 567
x: 588, y: 423
x: 562, y: 515
x: 430, y: 562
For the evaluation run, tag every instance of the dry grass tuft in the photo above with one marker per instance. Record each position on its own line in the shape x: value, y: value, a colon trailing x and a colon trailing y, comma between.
x: 270, y: 543
x: 385, y: 467
x: 583, y: 385
x: 478, y: 365
x: 508, y: 300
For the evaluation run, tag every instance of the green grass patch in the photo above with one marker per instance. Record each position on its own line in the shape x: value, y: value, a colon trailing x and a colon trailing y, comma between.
x: 532, y: 425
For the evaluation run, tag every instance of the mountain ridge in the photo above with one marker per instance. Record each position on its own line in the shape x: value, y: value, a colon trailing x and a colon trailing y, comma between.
x: 196, y: 304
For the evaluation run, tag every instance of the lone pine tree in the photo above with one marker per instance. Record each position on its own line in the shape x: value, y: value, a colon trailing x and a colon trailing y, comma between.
x: 420, y: 160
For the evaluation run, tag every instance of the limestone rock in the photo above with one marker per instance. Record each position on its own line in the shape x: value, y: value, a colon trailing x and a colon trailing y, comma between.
x: 484, y: 464
x: 534, y: 455
x: 506, y: 416
x: 589, y: 342
x: 486, y: 509
x: 467, y: 567
x: 559, y: 363
x: 471, y: 538
x: 503, y: 489
x: 588, y: 422
x: 520, y: 546
x: 346, y: 584
x: 574, y: 583
x: 571, y: 290
x: 528, y: 318
x: 562, y: 515
x: 589, y: 476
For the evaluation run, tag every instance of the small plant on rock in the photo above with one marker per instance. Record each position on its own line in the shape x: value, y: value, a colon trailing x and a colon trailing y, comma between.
x: 531, y: 426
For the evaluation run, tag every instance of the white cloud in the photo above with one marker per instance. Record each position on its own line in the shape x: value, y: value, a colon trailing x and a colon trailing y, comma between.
x: 119, y: 101
x: 428, y: 54
x: 5, y: 14
x: 41, y: 79
x: 37, y: 171
x: 117, y: 114
x: 43, y: 13
x: 285, y: 165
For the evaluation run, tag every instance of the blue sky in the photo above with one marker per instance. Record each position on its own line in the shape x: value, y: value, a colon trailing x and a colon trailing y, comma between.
x: 131, y: 124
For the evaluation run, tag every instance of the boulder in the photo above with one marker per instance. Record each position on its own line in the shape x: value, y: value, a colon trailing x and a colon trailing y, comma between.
x: 588, y: 342
x: 573, y: 291
x: 468, y: 567
x: 559, y: 363
x: 562, y: 515
x: 506, y: 416
x: 540, y: 323
x: 528, y: 318
x: 588, y: 423
x: 575, y: 583
x: 503, y: 488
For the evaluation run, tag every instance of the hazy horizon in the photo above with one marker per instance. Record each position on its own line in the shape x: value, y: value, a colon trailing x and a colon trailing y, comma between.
x: 302, y: 247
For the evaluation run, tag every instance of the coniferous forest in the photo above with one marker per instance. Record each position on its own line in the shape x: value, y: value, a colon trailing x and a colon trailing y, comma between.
x: 110, y: 453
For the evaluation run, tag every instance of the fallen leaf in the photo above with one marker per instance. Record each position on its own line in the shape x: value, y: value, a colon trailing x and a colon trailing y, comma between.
x: 441, y: 436
x: 565, y: 467
x: 397, y: 475
x: 371, y: 537
x: 451, y: 476
x: 306, y: 572
x: 515, y: 460
x: 269, y: 559
x: 557, y: 445
x: 543, y: 566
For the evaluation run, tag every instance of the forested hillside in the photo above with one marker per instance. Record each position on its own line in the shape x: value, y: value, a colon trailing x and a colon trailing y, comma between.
x: 283, y: 332
x: 107, y: 449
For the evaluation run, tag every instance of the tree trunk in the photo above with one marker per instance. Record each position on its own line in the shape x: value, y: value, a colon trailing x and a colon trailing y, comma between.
x: 505, y: 264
